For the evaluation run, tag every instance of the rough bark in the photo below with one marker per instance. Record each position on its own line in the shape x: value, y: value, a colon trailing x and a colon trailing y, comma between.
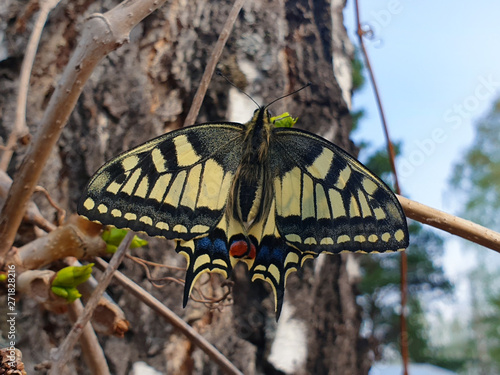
x: 144, y: 89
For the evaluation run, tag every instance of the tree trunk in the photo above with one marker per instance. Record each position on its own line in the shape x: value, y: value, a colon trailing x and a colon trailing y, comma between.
x: 144, y: 89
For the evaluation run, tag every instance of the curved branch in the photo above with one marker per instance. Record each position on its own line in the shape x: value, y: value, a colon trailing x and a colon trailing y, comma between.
x: 20, y: 127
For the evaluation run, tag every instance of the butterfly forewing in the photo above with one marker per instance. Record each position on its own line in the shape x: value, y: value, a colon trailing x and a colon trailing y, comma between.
x: 175, y: 186
x: 326, y: 201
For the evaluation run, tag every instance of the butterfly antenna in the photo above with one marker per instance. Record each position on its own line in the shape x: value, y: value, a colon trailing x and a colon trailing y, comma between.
x: 289, y: 94
x: 219, y: 73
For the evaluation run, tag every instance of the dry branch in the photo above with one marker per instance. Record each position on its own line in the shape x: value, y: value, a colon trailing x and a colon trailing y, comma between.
x: 212, y: 62
x: 405, y: 354
x: 174, y: 320
x: 102, y: 34
x: 32, y: 214
x: 108, y: 318
x: 62, y: 354
x: 91, y: 349
x: 36, y: 284
x: 20, y: 127
x: 78, y: 238
x: 451, y: 224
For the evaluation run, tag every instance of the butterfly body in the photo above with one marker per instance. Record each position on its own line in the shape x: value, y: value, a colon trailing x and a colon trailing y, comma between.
x: 251, y: 193
x: 267, y: 196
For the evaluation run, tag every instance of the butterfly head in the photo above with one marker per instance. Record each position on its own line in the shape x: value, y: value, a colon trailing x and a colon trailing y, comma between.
x: 261, y: 114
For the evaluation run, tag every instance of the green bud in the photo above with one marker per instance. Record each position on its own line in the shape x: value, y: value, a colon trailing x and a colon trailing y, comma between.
x: 67, y: 279
x: 114, y: 236
x: 284, y: 120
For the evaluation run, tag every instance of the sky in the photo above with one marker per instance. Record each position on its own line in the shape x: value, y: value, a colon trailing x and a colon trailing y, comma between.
x: 437, y: 68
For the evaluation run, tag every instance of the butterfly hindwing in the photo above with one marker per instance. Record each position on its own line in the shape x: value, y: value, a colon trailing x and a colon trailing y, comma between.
x: 175, y: 186
x: 326, y: 201
x: 274, y: 259
x: 207, y: 254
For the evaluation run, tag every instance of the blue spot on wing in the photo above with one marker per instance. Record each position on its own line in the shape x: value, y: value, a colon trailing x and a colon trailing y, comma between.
x: 273, y: 251
x: 204, y: 243
x: 214, y: 245
x: 274, y: 255
x: 220, y: 246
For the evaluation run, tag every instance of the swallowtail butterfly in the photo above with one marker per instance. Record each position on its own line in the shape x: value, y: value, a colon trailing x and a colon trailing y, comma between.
x: 268, y: 196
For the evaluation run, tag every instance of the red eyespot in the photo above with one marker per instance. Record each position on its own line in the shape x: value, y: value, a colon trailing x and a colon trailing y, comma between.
x: 239, y: 249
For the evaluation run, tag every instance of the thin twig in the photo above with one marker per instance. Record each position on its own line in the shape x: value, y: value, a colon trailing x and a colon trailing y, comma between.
x: 92, y: 352
x: 174, y: 320
x: 20, y: 127
x: 61, y: 213
x: 109, y: 318
x: 154, y: 264
x: 32, y: 215
x: 102, y: 34
x: 209, y: 302
x: 61, y: 356
x: 451, y: 224
x: 392, y: 158
x: 155, y: 282
x: 212, y: 62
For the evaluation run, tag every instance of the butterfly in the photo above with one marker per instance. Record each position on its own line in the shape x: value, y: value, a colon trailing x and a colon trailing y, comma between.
x: 268, y: 196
